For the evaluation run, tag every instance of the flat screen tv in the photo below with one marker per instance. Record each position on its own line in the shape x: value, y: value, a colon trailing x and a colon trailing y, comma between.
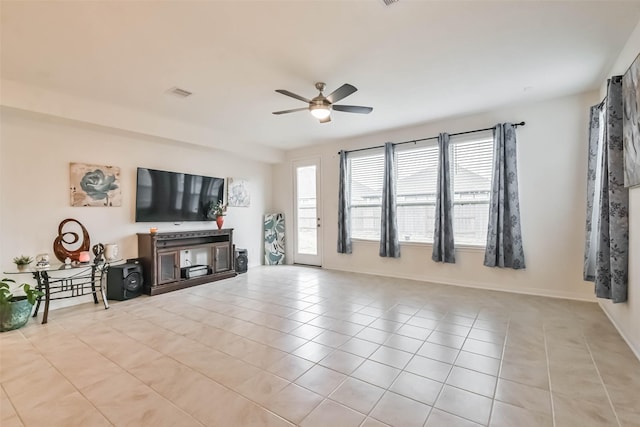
x: 163, y: 196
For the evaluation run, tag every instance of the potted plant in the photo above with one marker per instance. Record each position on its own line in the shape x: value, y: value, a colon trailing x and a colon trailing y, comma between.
x: 15, y: 310
x: 22, y: 261
x: 218, y: 212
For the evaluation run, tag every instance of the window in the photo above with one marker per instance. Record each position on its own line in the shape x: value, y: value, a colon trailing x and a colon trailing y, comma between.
x: 471, y: 163
x: 470, y: 160
x: 366, y: 194
x: 417, y: 170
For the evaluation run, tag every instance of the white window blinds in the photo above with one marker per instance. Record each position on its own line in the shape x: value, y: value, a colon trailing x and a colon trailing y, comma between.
x: 471, y: 162
x: 366, y: 194
x: 417, y: 170
x: 471, y: 158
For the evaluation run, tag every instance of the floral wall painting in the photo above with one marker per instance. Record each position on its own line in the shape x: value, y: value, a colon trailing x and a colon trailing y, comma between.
x: 274, y: 248
x: 238, y: 193
x: 94, y: 185
x: 631, y: 124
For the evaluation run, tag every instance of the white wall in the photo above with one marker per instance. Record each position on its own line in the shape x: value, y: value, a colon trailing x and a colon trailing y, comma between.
x: 552, y: 150
x: 35, y: 153
x: 626, y: 316
x: 58, y: 104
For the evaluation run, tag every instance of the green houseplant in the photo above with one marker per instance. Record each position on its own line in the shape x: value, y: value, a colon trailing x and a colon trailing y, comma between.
x: 15, y: 310
x: 22, y: 261
x: 217, y: 211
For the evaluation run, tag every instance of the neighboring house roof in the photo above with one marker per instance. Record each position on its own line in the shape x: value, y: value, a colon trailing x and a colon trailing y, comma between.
x: 414, y: 184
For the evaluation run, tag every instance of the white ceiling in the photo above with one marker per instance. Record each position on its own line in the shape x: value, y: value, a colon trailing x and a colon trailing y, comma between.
x: 413, y: 62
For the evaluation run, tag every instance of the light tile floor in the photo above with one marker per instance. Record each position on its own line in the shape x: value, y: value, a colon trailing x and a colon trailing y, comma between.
x: 284, y: 345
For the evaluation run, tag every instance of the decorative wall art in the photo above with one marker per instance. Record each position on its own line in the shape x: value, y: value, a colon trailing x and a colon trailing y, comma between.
x: 274, y: 239
x: 93, y: 185
x: 238, y: 193
x: 631, y: 124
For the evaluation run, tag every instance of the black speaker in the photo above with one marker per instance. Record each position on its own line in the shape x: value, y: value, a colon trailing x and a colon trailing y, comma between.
x: 242, y: 259
x: 124, y: 281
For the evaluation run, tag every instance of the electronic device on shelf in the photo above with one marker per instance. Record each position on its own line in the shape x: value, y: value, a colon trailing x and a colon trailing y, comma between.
x: 241, y: 260
x: 194, y: 271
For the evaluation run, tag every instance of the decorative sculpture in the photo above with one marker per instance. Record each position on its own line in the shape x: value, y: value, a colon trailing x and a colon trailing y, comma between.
x: 98, y: 251
x: 60, y: 241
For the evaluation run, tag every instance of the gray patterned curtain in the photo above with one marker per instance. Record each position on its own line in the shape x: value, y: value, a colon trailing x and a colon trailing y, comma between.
x: 389, y: 244
x: 612, y: 225
x: 344, y: 214
x: 594, y: 174
x: 443, y: 248
x: 504, y: 237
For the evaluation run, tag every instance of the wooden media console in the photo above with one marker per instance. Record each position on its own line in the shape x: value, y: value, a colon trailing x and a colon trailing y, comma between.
x: 166, y: 257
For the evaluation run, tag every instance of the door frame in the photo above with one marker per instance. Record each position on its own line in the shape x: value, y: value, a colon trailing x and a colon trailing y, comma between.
x: 304, y: 259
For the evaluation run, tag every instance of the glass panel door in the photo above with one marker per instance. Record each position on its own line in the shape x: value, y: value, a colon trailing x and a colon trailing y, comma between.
x: 222, y: 258
x: 168, y: 267
x: 307, y: 212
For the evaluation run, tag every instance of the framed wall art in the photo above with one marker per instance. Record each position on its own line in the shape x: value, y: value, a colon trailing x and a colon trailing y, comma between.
x: 94, y: 185
x: 238, y: 193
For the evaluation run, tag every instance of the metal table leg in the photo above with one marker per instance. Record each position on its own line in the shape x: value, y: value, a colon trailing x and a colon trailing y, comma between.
x: 102, y: 290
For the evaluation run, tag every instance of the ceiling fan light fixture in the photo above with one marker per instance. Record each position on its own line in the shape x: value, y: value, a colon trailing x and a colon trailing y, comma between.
x: 321, y: 106
x: 320, y: 111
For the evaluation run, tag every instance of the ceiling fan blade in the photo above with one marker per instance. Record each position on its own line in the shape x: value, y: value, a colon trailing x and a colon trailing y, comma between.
x: 326, y: 119
x: 342, y: 92
x: 291, y: 111
x: 293, y: 95
x: 352, y: 109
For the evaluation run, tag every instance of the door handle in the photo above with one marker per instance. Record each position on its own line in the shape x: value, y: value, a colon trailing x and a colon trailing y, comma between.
x: 318, y: 222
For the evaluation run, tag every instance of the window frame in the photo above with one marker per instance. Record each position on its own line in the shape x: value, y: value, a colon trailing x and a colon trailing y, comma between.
x: 485, y: 136
x: 373, y: 152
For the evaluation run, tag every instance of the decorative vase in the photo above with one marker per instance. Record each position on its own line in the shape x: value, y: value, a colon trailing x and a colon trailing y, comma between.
x: 15, y: 314
x: 219, y: 221
x: 22, y: 267
x: 111, y: 251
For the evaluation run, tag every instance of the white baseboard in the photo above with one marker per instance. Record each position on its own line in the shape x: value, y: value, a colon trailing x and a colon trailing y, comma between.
x: 626, y: 339
x: 477, y: 285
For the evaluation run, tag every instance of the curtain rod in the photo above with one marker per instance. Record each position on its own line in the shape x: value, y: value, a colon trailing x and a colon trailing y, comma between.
x: 427, y: 139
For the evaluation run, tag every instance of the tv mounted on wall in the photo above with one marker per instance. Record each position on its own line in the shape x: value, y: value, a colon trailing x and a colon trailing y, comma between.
x: 163, y: 196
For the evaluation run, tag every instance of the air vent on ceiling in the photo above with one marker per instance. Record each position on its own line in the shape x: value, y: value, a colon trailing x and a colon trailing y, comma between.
x: 390, y: 2
x: 179, y: 92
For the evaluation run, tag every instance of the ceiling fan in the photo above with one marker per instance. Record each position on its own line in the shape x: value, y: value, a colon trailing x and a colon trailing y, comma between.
x: 321, y: 106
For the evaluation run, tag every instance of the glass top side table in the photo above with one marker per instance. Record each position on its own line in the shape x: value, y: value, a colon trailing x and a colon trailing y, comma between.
x: 61, y: 281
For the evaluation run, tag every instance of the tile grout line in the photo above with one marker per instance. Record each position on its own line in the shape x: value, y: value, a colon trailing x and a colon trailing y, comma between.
x: 73, y: 334
x: 180, y: 363
x: 244, y: 309
x: 69, y: 380
x: 431, y: 407
x: 13, y: 405
x: 400, y: 373
x: 125, y: 370
x: 546, y: 354
x: 444, y: 383
x: 495, y: 388
x: 606, y: 391
x: 258, y: 404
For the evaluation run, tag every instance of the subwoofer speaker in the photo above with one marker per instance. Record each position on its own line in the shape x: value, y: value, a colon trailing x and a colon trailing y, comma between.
x: 242, y: 259
x: 124, y: 281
